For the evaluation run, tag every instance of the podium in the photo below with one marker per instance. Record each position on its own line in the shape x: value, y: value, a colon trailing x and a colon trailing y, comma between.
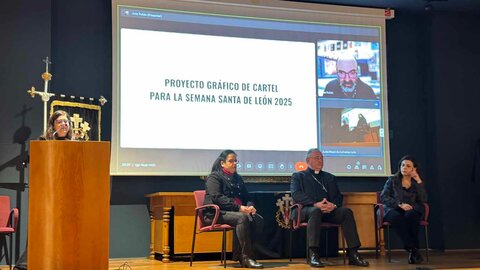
x: 69, y: 205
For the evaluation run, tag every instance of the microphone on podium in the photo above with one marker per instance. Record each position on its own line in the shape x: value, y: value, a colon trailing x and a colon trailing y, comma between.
x: 53, y: 135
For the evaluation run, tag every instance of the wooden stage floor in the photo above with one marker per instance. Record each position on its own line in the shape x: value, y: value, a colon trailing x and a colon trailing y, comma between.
x: 458, y: 259
x: 464, y: 259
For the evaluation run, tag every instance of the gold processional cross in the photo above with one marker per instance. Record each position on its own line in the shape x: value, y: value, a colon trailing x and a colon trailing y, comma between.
x: 46, y: 76
x: 79, y: 127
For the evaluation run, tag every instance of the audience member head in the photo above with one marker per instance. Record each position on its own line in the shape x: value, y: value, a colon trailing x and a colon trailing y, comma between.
x: 315, y: 159
x: 59, y: 126
x: 227, y: 160
x: 347, y: 72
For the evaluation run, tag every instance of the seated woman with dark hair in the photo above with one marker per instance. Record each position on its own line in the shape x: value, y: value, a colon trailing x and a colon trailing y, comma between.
x: 403, y: 195
x: 225, y: 188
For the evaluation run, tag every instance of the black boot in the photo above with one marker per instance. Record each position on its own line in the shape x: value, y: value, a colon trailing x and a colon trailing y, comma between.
x: 411, y: 257
x: 314, y: 259
x: 418, y: 256
x: 414, y: 256
x: 354, y: 258
x: 250, y: 263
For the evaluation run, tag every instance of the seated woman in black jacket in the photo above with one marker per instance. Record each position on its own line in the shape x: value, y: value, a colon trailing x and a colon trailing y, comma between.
x: 403, y: 195
x: 225, y: 188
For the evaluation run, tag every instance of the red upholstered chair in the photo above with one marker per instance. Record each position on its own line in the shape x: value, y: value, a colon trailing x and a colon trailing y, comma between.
x: 380, y: 224
x: 214, y: 227
x: 8, y: 225
x: 297, y: 224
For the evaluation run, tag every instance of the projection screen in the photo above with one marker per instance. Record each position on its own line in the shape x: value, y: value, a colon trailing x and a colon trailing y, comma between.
x: 267, y: 79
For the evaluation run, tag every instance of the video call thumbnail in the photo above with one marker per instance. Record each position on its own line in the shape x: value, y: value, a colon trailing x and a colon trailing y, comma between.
x: 348, y: 69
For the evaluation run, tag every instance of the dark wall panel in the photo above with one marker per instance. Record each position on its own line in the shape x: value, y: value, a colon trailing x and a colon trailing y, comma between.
x: 456, y: 93
x: 411, y: 102
x: 25, y: 39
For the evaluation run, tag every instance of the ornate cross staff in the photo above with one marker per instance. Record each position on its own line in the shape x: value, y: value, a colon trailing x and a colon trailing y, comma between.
x: 46, y: 76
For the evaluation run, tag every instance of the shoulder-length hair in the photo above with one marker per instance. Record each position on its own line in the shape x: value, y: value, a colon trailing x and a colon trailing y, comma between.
x: 398, y: 174
x: 217, y: 165
x: 50, y: 133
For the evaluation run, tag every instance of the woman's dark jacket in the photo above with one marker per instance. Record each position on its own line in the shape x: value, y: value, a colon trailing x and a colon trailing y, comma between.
x: 394, y: 193
x: 222, y: 189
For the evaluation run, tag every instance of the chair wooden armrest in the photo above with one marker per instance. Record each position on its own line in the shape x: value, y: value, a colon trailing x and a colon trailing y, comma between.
x: 13, y: 219
x: 296, y: 223
x: 217, y: 213
x: 427, y: 213
x: 379, y: 214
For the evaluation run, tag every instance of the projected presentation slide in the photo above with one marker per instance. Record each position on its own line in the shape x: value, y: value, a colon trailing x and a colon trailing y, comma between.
x: 256, y: 95
x: 189, y: 84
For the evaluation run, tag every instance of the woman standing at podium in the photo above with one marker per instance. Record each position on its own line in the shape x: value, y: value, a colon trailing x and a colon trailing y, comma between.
x: 225, y: 188
x: 59, y: 127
